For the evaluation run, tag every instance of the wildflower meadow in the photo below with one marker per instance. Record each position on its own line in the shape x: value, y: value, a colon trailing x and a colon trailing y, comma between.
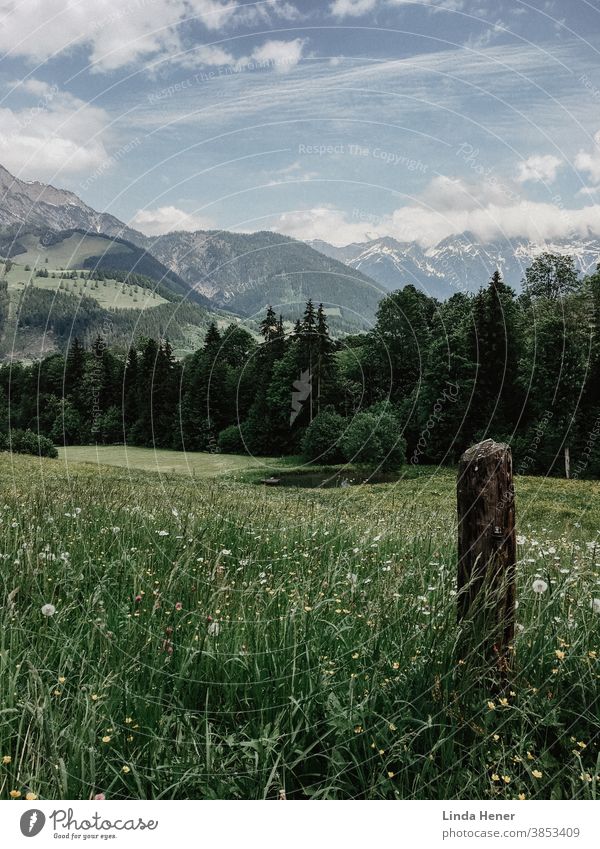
x: 173, y: 636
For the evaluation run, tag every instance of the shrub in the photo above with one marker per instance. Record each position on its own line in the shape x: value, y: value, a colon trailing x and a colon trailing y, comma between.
x: 373, y: 438
x: 321, y: 439
x: 28, y: 442
x: 230, y: 440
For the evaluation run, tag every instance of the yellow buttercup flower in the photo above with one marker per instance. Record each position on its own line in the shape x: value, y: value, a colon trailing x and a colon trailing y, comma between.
x: 106, y: 739
x: 15, y: 794
x: 31, y: 797
x: 536, y: 773
x: 6, y: 759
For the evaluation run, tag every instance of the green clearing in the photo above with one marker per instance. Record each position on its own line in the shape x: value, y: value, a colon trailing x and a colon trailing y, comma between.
x: 161, y: 460
x: 70, y: 253
x: 110, y: 294
x: 213, y: 638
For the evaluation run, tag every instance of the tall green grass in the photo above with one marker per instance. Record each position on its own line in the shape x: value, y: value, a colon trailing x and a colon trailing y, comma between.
x: 284, y: 643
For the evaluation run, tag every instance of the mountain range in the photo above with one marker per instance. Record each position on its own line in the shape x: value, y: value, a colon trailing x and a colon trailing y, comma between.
x: 234, y: 276
x: 456, y: 264
x: 241, y: 273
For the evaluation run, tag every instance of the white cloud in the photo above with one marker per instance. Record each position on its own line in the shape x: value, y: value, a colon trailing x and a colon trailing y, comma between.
x: 589, y: 163
x: 116, y: 32
x: 447, y: 208
x: 352, y: 8
x: 211, y: 54
x: 166, y: 219
x: 254, y: 14
x: 539, y: 169
x: 356, y: 8
x: 324, y: 222
x: 58, y: 133
x: 278, y: 54
x: 284, y: 55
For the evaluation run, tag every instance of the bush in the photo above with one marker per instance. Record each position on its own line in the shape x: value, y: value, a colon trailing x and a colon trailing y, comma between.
x: 321, y: 440
x: 373, y: 438
x: 28, y: 442
x: 230, y: 440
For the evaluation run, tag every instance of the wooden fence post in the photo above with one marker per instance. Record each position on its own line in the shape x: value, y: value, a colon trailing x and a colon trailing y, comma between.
x: 487, y: 551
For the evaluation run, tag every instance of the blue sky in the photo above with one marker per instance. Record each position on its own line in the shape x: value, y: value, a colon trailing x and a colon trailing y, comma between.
x: 340, y: 120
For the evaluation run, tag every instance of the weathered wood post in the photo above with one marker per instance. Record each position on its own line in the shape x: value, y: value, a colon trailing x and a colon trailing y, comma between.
x: 487, y: 552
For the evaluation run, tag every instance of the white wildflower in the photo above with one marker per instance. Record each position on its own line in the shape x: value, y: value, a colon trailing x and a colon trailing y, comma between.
x: 48, y: 610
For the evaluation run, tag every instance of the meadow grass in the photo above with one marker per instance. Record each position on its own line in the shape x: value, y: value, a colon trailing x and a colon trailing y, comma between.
x: 194, y: 464
x: 213, y: 638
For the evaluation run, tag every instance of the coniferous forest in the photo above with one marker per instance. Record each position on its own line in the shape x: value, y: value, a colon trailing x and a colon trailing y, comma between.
x: 426, y: 381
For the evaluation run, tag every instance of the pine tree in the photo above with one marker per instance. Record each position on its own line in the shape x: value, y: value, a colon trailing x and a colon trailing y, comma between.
x: 74, y: 370
x: 268, y: 326
x: 324, y: 367
x: 130, y: 390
